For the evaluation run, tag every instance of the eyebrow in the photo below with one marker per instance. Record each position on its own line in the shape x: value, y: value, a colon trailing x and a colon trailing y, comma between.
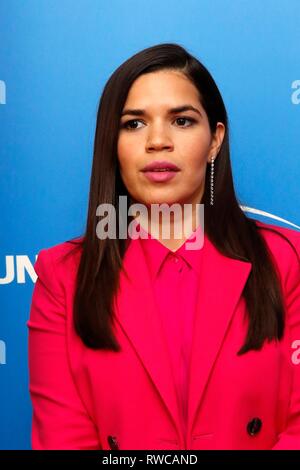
x: 178, y: 109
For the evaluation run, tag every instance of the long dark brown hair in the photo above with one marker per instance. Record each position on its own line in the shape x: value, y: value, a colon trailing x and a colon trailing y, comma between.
x: 233, y: 233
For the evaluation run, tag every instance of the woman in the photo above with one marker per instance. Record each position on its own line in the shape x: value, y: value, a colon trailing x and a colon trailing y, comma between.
x: 142, y: 343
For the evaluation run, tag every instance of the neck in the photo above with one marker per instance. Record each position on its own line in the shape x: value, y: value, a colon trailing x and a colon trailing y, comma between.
x: 170, y: 230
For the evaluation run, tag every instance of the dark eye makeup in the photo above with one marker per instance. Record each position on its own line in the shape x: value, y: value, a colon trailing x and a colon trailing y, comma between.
x: 129, y: 122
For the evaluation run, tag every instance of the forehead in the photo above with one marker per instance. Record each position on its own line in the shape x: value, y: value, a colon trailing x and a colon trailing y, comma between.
x: 163, y: 88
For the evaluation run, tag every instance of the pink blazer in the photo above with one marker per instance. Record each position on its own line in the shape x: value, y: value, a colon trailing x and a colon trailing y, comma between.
x: 91, y: 399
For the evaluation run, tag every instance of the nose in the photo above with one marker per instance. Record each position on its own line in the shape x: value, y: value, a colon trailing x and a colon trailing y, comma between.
x: 158, y: 139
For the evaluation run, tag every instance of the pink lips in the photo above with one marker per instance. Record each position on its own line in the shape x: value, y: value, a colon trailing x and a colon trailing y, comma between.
x: 160, y: 175
x: 160, y: 171
x: 161, y: 164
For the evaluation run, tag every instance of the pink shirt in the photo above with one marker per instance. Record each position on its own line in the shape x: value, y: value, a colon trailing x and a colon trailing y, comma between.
x: 175, y: 278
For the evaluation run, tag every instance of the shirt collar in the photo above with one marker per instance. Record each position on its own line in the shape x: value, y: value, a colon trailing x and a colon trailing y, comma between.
x: 155, y: 252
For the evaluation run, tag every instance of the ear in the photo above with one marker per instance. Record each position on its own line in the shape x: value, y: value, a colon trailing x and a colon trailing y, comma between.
x: 216, y: 142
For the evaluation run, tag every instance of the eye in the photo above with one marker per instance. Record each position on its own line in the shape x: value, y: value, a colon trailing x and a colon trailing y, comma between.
x: 127, y: 124
x: 130, y: 125
x: 191, y: 120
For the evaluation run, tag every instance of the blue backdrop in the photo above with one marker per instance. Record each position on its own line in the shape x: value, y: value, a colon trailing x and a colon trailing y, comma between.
x: 55, y: 57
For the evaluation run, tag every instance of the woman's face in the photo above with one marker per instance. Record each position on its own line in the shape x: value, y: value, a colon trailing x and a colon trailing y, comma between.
x: 157, y: 133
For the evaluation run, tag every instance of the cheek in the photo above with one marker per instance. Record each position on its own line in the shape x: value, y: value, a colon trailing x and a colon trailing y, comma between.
x: 123, y: 153
x: 129, y: 164
x: 195, y: 161
x: 194, y: 149
x: 129, y: 152
x: 195, y: 164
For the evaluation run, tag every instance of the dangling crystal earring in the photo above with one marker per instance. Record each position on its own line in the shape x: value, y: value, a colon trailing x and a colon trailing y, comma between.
x: 212, y: 181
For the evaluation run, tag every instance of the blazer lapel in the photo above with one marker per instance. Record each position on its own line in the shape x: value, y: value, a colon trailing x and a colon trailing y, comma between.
x: 221, y: 284
x: 138, y: 316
